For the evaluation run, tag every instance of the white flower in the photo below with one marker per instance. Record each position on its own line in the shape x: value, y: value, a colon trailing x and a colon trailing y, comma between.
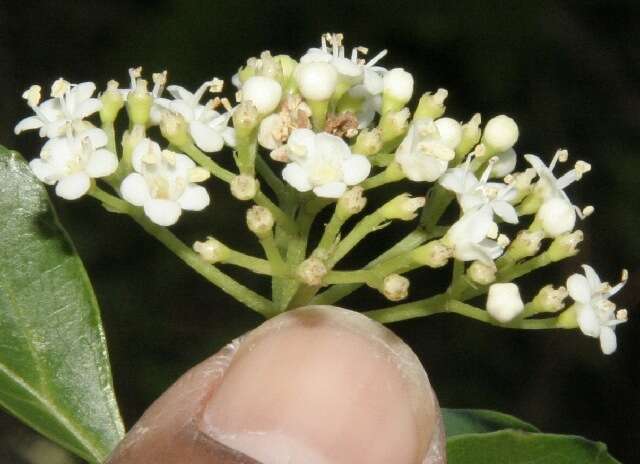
x: 500, y: 133
x: 424, y: 154
x: 473, y: 194
x: 597, y: 316
x: 322, y: 163
x: 264, y: 92
x: 556, y: 217
x: 164, y: 183
x: 468, y: 237
x: 504, y: 302
x: 69, y: 105
x: 71, y: 161
x: 208, y: 128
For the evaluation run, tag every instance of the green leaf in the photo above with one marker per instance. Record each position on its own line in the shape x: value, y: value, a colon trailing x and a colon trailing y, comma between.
x: 54, y: 367
x: 462, y: 421
x: 517, y: 447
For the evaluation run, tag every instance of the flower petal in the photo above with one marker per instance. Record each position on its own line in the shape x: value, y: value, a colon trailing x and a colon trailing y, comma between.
x: 43, y: 171
x: 87, y: 108
x: 506, y: 211
x: 194, y: 198
x: 74, y: 186
x: 592, y: 277
x: 97, y: 136
x: 101, y: 163
x: 608, y: 341
x: 373, y: 82
x: 179, y: 92
x: 206, y: 138
x: 29, y: 123
x: 588, y: 321
x: 82, y: 92
x: 162, y: 212
x: 297, y: 177
x: 134, y: 189
x: 355, y: 169
x: 579, y: 289
x: 331, y: 190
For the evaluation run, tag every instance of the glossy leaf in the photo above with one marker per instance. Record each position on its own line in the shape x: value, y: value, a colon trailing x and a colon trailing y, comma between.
x: 517, y: 447
x: 54, y: 367
x: 462, y: 421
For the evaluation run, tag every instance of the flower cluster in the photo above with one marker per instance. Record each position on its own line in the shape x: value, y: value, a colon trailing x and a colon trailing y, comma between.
x: 323, y: 130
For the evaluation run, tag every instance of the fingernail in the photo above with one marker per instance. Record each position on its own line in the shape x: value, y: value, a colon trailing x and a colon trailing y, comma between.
x: 324, y: 385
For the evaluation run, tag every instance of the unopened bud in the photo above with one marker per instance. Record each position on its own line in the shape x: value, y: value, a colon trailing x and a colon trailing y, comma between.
x: 549, y: 299
x: 351, y: 202
x: 500, y: 134
x: 316, y: 81
x: 245, y: 117
x: 288, y: 66
x: 369, y: 142
x: 482, y: 273
x: 505, y: 163
x: 311, y: 271
x: 244, y: 187
x: 139, y: 102
x: 174, y: 128
x: 394, y: 124
x: 395, y: 287
x: 112, y: 102
x: 434, y: 254
x: 565, y: 246
x: 521, y: 182
x: 260, y: 221
x: 397, y: 90
x: 504, y: 302
x: 431, y: 105
x: 526, y: 244
x: 211, y: 250
x: 264, y: 92
x: 402, y: 207
x: 450, y: 132
x: 556, y: 216
x: 470, y: 136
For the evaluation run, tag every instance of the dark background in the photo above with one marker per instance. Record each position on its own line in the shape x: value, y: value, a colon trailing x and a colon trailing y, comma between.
x: 568, y: 72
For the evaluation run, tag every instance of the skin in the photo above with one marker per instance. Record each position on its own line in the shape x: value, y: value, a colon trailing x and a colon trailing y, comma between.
x: 317, y: 385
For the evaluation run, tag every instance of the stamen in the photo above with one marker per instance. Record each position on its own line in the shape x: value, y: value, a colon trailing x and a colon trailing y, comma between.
x: 59, y: 88
x: 159, y: 81
x: 377, y: 58
x: 33, y: 95
x: 134, y: 75
x: 581, y: 167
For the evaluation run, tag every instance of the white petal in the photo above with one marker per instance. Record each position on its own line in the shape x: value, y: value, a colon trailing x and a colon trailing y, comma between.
x: 588, y: 321
x: 330, y: 190
x: 74, y: 186
x: 194, y: 198
x: 180, y: 93
x: 419, y: 168
x: 578, y: 287
x: 331, y: 145
x: 229, y: 136
x: 206, y: 138
x: 134, y: 189
x: 301, y: 143
x: 162, y: 212
x: 101, y: 163
x: 355, y: 169
x: 87, y: 108
x: 592, y: 277
x: 454, y: 179
x: 82, y: 92
x: 32, y: 122
x: 506, y: 163
x: 97, y: 136
x: 373, y: 82
x: 506, y: 211
x: 297, y: 177
x: 608, y: 342
x: 184, y: 109
x: 183, y: 163
x: 43, y: 171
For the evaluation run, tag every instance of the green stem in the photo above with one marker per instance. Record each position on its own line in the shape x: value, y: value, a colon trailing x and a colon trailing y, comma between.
x: 280, y: 216
x: 230, y: 286
x: 273, y: 254
x: 376, y: 181
x: 438, y: 200
x: 257, y: 265
x: 331, y: 232
x: 363, y: 228
x: 207, y: 163
x: 274, y: 182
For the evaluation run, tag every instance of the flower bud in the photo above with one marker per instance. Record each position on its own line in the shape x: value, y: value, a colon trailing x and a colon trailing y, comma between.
x: 368, y: 142
x: 260, y: 221
x: 434, y: 254
x: 112, y: 102
x: 288, y: 66
x: 482, y: 273
x: 505, y: 163
x: 402, y: 207
x: 549, y: 299
x: 470, y: 136
x: 311, y: 271
x: 526, y: 244
x: 245, y: 117
x: 521, y: 181
x: 504, y: 302
x: 139, y: 102
x: 450, y: 132
x: 565, y: 246
x: 395, y: 287
x: 397, y: 91
x: 244, y: 187
x: 394, y: 124
x: 431, y: 106
x: 556, y: 217
x: 264, y: 92
x: 351, y: 202
x: 174, y: 128
x: 316, y: 81
x: 211, y: 250
x: 500, y: 134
